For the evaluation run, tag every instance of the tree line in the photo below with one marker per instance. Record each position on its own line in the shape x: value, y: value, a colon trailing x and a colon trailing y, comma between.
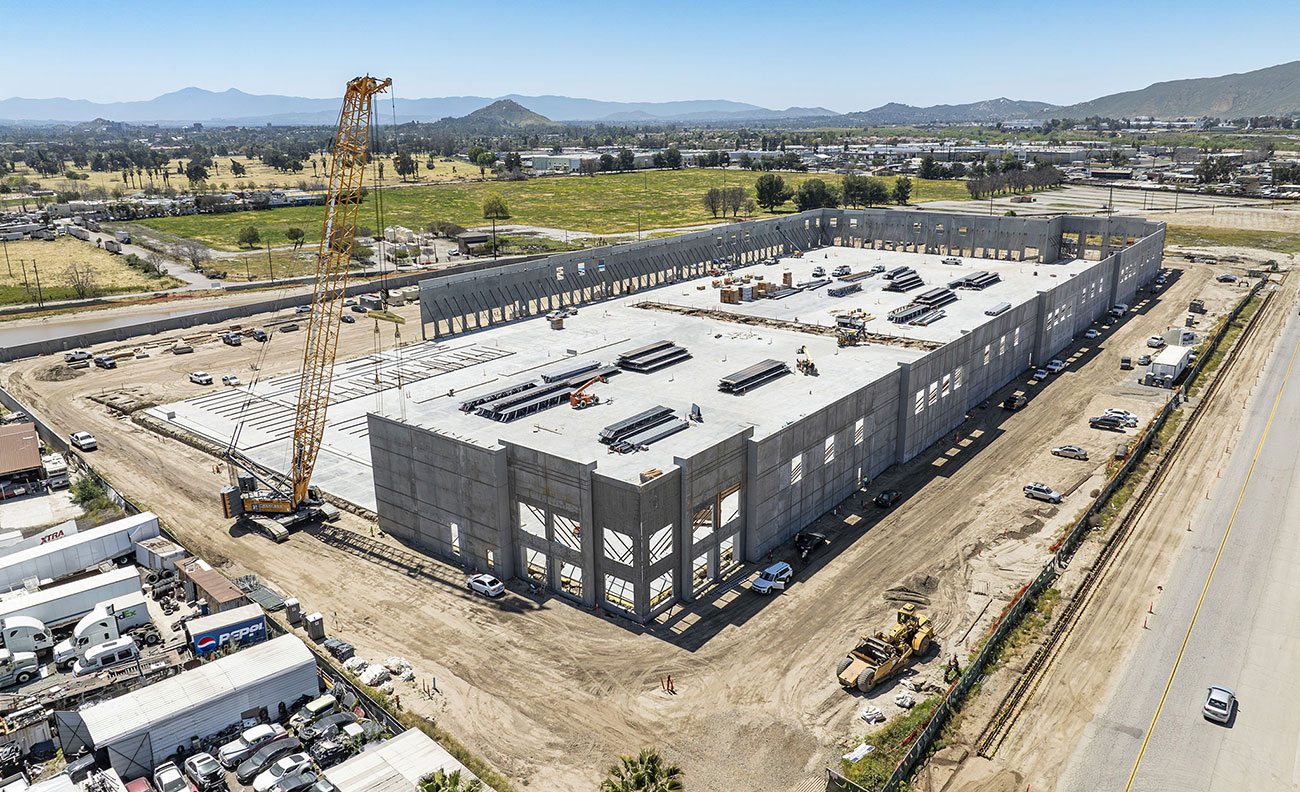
x: 1038, y: 178
x: 771, y: 192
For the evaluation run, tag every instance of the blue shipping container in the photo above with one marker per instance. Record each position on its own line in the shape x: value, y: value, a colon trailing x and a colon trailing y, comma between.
x: 244, y: 633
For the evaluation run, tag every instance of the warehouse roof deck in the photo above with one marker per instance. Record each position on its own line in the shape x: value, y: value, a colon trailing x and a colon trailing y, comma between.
x: 396, y: 765
x: 438, y: 377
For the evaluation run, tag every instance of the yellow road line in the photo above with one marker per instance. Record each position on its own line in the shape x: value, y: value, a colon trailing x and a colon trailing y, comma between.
x: 1187, y: 637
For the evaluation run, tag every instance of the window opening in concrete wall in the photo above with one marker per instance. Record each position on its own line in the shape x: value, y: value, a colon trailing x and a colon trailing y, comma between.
x: 987, y: 349
x: 853, y: 222
x: 571, y: 579
x: 618, y: 546
x: 702, y: 523
x: 559, y: 273
x: 727, y: 552
x: 700, y: 571
x: 568, y: 532
x: 830, y: 449
x: 920, y: 402
x: 455, y: 538
x: 859, y: 431
x: 728, y: 505
x: 1017, y: 340
x: 934, y: 393
x: 535, y: 564
x: 956, y: 379
x: 661, y: 589
x: 796, y: 469
x: 947, y: 386
x: 661, y: 544
x: 532, y: 520
x: 600, y: 267
x: 491, y: 559
x: 582, y: 268
x: 1002, y: 345
x: 620, y: 593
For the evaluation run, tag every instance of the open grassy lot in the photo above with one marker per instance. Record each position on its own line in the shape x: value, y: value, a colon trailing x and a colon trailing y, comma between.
x: 1276, y: 241
x: 54, y: 262
x: 256, y: 174
x: 602, y: 204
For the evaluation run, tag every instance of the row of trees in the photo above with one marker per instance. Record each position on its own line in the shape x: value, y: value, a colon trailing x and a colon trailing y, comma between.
x: 1038, y: 178
x: 729, y: 199
x: 770, y: 192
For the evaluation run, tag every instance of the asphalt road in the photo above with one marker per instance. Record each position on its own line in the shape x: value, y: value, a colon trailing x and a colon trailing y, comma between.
x: 1229, y: 615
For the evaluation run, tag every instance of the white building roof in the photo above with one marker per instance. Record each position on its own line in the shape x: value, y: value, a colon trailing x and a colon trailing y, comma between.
x: 139, y: 710
x: 395, y: 765
x: 1170, y: 356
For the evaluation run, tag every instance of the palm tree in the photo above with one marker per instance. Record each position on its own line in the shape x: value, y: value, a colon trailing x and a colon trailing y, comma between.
x: 442, y: 782
x: 645, y: 772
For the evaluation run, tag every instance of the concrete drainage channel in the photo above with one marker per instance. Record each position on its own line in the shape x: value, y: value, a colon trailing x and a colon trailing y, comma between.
x: 919, y: 741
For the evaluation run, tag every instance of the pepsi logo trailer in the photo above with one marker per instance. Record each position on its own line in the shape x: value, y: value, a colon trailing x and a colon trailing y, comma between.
x: 247, y: 632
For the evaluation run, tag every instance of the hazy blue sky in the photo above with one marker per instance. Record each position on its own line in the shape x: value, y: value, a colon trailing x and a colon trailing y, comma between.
x: 841, y: 55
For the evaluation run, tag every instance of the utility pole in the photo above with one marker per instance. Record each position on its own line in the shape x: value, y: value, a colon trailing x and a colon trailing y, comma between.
x: 270, y: 269
x: 7, y: 265
x: 40, y: 302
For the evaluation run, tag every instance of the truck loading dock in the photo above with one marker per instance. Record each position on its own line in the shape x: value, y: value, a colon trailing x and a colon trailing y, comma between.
x: 534, y: 493
x: 139, y: 729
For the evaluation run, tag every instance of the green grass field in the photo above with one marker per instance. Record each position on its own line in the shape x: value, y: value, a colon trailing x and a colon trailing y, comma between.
x: 1276, y: 241
x: 603, y: 204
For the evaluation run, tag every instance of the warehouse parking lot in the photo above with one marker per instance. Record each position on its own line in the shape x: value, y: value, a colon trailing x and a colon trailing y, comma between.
x: 548, y: 693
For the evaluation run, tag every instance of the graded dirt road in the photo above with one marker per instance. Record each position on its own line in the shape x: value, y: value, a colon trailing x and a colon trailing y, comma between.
x: 549, y: 693
x: 1098, y: 659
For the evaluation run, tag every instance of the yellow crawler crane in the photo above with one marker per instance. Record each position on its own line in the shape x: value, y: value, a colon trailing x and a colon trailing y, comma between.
x: 259, y: 490
x: 880, y: 656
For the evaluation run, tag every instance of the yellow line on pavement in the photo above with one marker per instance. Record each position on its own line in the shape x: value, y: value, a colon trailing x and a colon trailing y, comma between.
x: 1187, y: 637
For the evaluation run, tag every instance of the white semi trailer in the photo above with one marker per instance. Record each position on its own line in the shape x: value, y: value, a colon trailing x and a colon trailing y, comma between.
x: 56, y: 560
x: 58, y: 607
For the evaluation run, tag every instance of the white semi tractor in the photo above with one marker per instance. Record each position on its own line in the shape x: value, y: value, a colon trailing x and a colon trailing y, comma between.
x: 29, y: 621
x: 124, y: 617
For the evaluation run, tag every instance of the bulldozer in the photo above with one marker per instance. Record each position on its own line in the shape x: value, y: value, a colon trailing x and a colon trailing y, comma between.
x: 880, y: 656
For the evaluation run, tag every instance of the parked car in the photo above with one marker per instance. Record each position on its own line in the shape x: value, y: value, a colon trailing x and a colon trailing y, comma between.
x: 205, y: 772
x: 230, y: 379
x: 1219, y: 702
x: 243, y: 746
x: 76, y: 355
x: 1156, y: 342
x: 774, y: 578
x: 331, y: 751
x: 1070, y: 451
x: 267, y: 753
x: 140, y: 784
x: 349, y: 301
x: 1039, y: 375
x: 259, y: 335
x: 105, y: 362
x: 313, y: 711
x: 1226, y: 277
x: 1144, y: 360
x: 887, y: 498
x: 808, y: 542
x: 84, y: 441
x: 327, y: 725
x: 168, y: 778
x: 819, y: 272
x: 284, y: 766
x: 842, y: 270
x: 1106, y: 422
x: 360, y: 309
x: 1127, y: 418
x: 232, y: 339
x: 1056, y: 366
x: 200, y: 378
x: 296, y: 782
x: 288, y: 328
x: 303, y: 309
x: 1014, y: 402
x: 1042, y: 492
x: 486, y: 584
x: 1091, y: 332
x: 1126, y: 363
x: 347, y: 319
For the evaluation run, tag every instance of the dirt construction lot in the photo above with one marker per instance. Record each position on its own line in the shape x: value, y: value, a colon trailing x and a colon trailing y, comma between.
x: 549, y: 693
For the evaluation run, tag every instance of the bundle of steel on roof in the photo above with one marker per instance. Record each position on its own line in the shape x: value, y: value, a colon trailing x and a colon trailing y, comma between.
x: 571, y: 372
x: 653, y: 356
x: 649, y: 435
x: 815, y: 283
x: 903, y: 279
x: 629, y: 427
x: 469, y: 404
x: 976, y: 281
x: 936, y: 297
x: 857, y: 276
x: 752, y: 377
x: 842, y: 291
x: 1000, y: 308
x: 525, y: 402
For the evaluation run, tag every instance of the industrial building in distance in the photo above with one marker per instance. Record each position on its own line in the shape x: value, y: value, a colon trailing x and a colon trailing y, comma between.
x: 650, y: 415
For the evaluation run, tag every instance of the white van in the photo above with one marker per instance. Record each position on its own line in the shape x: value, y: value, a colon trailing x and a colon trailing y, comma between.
x: 107, y: 655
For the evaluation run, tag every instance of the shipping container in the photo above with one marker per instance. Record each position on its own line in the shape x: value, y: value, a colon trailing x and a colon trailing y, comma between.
x: 62, y: 557
x: 242, y: 626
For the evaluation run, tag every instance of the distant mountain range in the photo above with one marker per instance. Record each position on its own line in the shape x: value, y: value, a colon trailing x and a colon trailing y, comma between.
x: 233, y: 106
x: 1271, y: 91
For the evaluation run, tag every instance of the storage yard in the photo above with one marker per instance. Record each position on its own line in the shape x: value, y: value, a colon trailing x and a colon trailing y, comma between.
x: 546, y: 685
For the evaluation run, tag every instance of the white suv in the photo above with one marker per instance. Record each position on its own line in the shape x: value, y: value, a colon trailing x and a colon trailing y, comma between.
x: 200, y: 378
x: 1042, y: 492
x: 1055, y: 366
x: 774, y: 578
